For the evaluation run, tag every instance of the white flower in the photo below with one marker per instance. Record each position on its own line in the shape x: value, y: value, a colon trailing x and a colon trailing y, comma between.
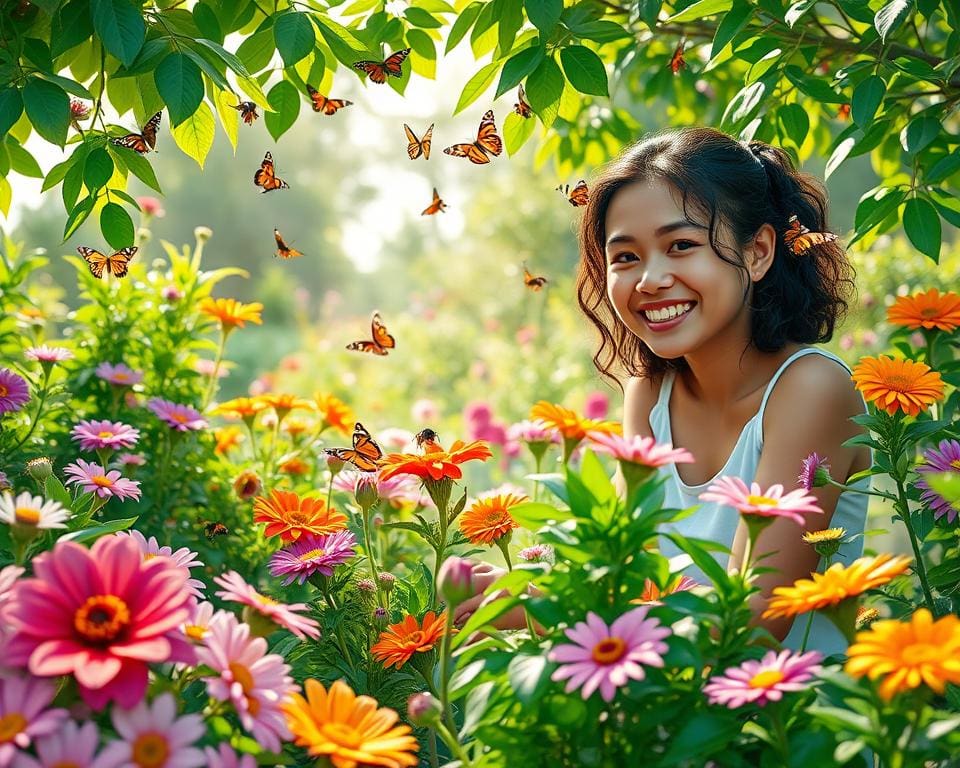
x: 33, y: 511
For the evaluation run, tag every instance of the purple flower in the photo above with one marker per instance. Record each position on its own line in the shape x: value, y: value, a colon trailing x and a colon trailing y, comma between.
x: 313, y: 554
x: 24, y: 712
x: 119, y: 375
x: 45, y: 354
x: 93, y: 478
x: 947, y: 459
x: 97, y: 435
x: 182, y: 418
x: 761, y: 681
x: 814, y: 472
x: 14, y: 392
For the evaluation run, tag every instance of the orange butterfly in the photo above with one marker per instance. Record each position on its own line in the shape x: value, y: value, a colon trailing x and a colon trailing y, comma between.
x: 577, y: 196
x: 365, y: 454
x: 143, y: 142
x: 115, y: 264
x: 247, y: 110
x: 487, y: 143
x: 521, y: 107
x: 437, y: 206
x: 800, y: 239
x: 843, y: 111
x: 266, y: 178
x: 417, y: 147
x: 378, y: 70
x: 283, y: 250
x: 380, y: 339
x: 677, y: 62
x: 534, y: 283
x: 322, y: 104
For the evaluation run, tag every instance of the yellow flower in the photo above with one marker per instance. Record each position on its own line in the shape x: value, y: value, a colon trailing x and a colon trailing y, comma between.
x: 283, y: 404
x: 231, y: 313
x: 241, y: 407
x: 828, y: 534
x: 926, y: 309
x: 334, y: 412
x: 569, y: 424
x: 893, y: 385
x: 227, y: 438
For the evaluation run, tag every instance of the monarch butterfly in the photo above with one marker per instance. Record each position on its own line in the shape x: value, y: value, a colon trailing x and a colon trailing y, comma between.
x: 214, y: 528
x: 577, y: 196
x: 115, y: 264
x: 800, y: 239
x: 143, y: 142
x: 378, y: 70
x: 534, y: 283
x: 266, y: 178
x: 247, y: 110
x: 521, y: 107
x: 417, y: 147
x: 284, y: 251
x: 425, y: 436
x: 380, y: 340
x: 322, y: 104
x: 487, y: 143
x: 437, y: 206
x: 365, y: 454
x: 677, y: 62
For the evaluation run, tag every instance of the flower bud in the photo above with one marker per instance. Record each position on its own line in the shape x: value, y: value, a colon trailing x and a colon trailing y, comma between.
x: 40, y: 469
x: 335, y: 465
x: 387, y: 580
x: 455, y: 580
x: 366, y: 587
x: 171, y: 293
x: 380, y: 617
x: 423, y: 709
x: 202, y: 234
x: 366, y: 492
x: 247, y: 485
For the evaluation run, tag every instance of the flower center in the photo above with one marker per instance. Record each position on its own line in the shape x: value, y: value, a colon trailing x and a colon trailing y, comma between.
x: 3, y: 391
x: 195, y: 631
x: 179, y: 417
x: 104, y: 435
x: 761, y: 501
x: 11, y: 725
x: 955, y: 464
x: 930, y: 312
x: 102, y: 480
x: 27, y: 515
x: 609, y: 650
x: 150, y: 750
x: 264, y: 600
x: 416, y: 637
x: 921, y: 653
x: 342, y: 735
x: 65, y: 764
x: 296, y: 517
x: 312, y: 554
x: 899, y: 383
x: 766, y: 679
x: 242, y: 675
x: 101, y: 617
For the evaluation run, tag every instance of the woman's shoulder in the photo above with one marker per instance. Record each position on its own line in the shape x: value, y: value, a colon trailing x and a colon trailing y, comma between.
x: 816, y: 381
x: 639, y: 396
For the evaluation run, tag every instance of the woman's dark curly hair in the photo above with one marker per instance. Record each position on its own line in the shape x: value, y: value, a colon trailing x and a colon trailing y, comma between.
x: 719, y: 179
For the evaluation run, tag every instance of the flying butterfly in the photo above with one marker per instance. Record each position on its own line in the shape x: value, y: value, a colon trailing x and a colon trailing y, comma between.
x: 115, y: 264
x: 521, y: 107
x: 487, y: 143
x: 577, y: 196
x: 247, y: 110
x: 144, y: 141
x: 365, y: 454
x: 437, y: 206
x: 533, y: 282
x: 266, y: 178
x: 380, y: 339
x: 800, y: 239
x: 417, y: 147
x: 322, y: 104
x: 284, y: 251
x: 378, y: 70
x: 677, y: 62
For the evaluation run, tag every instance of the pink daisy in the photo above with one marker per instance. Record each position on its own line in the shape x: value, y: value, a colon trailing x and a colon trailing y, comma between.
x: 14, y: 392
x: 182, y: 418
x: 97, y: 435
x: 72, y: 745
x: 814, y: 472
x: 609, y: 657
x: 152, y: 735
x: 754, y: 501
x: 45, y: 354
x: 535, y: 431
x: 183, y: 557
x: 24, y: 714
x: 397, y: 489
x: 237, y: 590
x: 947, y: 459
x: 313, y: 554
x: 761, y: 681
x: 225, y: 757
x: 119, y: 375
x: 197, y: 626
x: 131, y: 459
x: 101, y: 615
x: 93, y: 478
x: 538, y: 553
x: 639, y: 450
x: 255, y: 682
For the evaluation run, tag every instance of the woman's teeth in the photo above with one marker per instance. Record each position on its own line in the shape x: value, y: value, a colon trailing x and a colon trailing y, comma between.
x: 667, y: 313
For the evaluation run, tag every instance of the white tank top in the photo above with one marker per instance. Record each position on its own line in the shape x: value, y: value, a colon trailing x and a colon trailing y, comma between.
x: 716, y: 522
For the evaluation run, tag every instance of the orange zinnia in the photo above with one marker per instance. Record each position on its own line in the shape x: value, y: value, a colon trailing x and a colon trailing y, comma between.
x: 398, y: 642
x: 894, y: 385
x: 227, y: 438
x: 926, y: 309
x: 347, y: 729
x: 569, y: 424
x: 489, y: 518
x: 241, y: 407
x: 436, y: 464
x: 283, y: 404
x: 290, y: 517
x: 294, y: 466
x: 232, y: 313
x: 335, y: 413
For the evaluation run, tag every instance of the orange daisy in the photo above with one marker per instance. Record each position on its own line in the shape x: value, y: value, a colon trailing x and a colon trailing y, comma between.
x: 283, y: 404
x: 894, y: 385
x: 231, y: 313
x: 295, y: 466
x: 927, y: 309
x: 296, y: 427
x: 489, y: 518
x: 435, y: 465
x: 289, y: 516
x: 348, y: 730
x: 334, y: 412
x: 398, y: 642
x: 241, y: 407
x: 569, y: 424
x: 227, y: 438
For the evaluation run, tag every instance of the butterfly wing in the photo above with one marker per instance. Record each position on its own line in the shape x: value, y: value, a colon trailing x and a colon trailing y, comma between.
x: 283, y: 250
x: 117, y: 263
x: 521, y: 107
x: 487, y: 137
x: 379, y: 331
x: 392, y: 64
x: 677, y: 62
x: 426, y: 142
x: 133, y: 141
x: 374, y: 70
x: 247, y: 110
x: 149, y: 131
x: 414, y: 145
x: 334, y: 104
x: 472, y: 152
x: 436, y: 206
x: 95, y: 260
x: 533, y: 282
x: 366, y: 346
x: 266, y: 178
x: 579, y: 195
x: 366, y: 447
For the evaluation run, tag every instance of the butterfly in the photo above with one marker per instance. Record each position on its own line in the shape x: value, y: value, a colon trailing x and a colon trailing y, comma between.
x: 843, y: 111
x: 800, y: 239
x: 521, y: 107
x: 487, y: 143
x: 265, y: 177
x: 534, y: 283
x: 437, y: 206
x: 378, y: 70
x: 365, y: 454
x: 417, y: 147
x: 247, y: 110
x: 143, y: 142
x: 577, y: 196
x: 380, y: 341
x: 115, y: 263
x: 425, y: 436
x: 284, y: 251
x: 322, y: 104
x: 214, y: 528
x: 677, y: 62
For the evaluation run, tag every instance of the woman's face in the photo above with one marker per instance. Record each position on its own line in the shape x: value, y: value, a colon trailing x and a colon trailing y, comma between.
x: 655, y: 255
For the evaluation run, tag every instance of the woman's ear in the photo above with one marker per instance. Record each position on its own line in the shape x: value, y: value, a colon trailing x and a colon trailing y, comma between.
x: 761, y: 252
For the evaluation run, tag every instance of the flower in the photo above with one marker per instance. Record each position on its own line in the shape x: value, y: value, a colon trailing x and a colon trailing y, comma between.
x: 231, y: 313
x: 893, y: 385
x: 14, y: 392
x: 313, y: 554
x: 295, y: 427
x: 535, y: 431
x: 119, y: 375
x: 334, y: 413
x: 489, y: 519
x: 93, y: 478
x: 608, y: 657
x: 283, y: 404
x: 98, y: 435
x: 349, y: 730
x: 946, y: 459
x: 197, y: 626
x: 424, y: 709
x: 826, y: 542
x: 206, y: 367
x: 638, y: 449
x: 455, y: 580
x: 289, y: 516
x: 835, y: 584
x: 400, y: 489
x: 131, y: 459
x: 755, y: 502
x: 100, y: 615
x: 927, y: 309
x: 866, y: 617
x: 596, y: 406
x: 398, y: 642
x: 45, y: 354
x: 171, y: 293
x: 759, y: 682
x: 79, y: 110
x: 571, y: 426
x: 538, y: 553
x: 247, y: 484
x: 32, y: 511
x: 908, y: 654
x: 294, y: 466
x: 235, y: 589
x: 394, y: 437
x: 24, y: 714
x: 227, y: 438
x: 202, y: 234
x: 225, y: 757
x: 425, y: 411
x: 182, y: 418
x: 4, y: 481
x: 241, y: 407
x: 152, y: 736
x: 815, y: 472
x: 73, y: 745
x: 150, y: 206
x: 652, y: 593
x: 435, y: 465
x: 182, y: 558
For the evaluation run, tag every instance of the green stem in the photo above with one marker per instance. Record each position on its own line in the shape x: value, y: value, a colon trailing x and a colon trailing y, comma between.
x: 211, y: 388
x: 445, y: 683
x: 338, y: 632
x: 451, y: 740
x: 330, y: 492
x: 783, y: 744
x: 432, y: 739
x: 36, y: 419
x: 920, y: 568
x: 268, y: 459
x: 537, y: 461
x: 371, y: 559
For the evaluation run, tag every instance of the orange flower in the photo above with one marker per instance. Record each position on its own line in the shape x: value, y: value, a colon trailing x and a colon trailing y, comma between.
x: 348, y: 730
x: 295, y: 427
x: 398, y: 642
x: 894, y: 385
x: 231, y: 313
x: 927, y: 309
x: 227, y: 438
x: 489, y: 518
x: 437, y: 464
x: 289, y: 516
x: 295, y: 466
x: 335, y: 413
x: 283, y: 404
x: 569, y: 424
x: 241, y: 407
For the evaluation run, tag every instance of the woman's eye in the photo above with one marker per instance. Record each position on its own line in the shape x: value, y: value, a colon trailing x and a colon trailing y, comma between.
x: 621, y: 257
x: 678, y: 243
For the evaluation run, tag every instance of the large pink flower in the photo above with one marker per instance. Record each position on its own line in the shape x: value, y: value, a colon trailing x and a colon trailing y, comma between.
x: 73, y: 746
x: 97, y: 435
x: 758, y: 682
x: 93, y: 478
x: 754, y: 501
x: 100, y: 615
x: 639, y: 449
x: 183, y: 557
x: 182, y: 418
x: 280, y: 614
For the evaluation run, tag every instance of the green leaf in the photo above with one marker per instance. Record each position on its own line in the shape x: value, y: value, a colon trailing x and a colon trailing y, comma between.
x: 476, y: 85
x: 70, y: 86
x: 743, y: 106
x: 873, y: 208
x: 195, y: 134
x: 141, y: 168
x: 421, y: 18
x: 77, y: 216
x: 535, y: 515
x: 89, y: 534
x: 919, y: 132
x: 585, y: 70
x: 701, y: 9
x: 180, y: 85
x: 509, y: 21
x: 516, y: 131
x: 285, y: 101
x: 117, y: 226
x: 602, y: 31
x: 22, y: 161
x: 229, y: 117
x: 11, y: 107
x: 943, y: 169
x: 891, y: 16
x: 462, y: 25
x: 119, y: 25
x: 206, y: 20
x: 735, y: 20
x: 796, y: 11
x: 72, y: 182
x: 519, y: 66
x: 48, y: 107
x: 795, y: 122
x: 528, y: 677
x: 53, y: 489
x: 295, y: 37
x: 256, y: 51
x: 922, y: 225
x: 483, y: 616
x: 98, y: 169
x: 544, y: 14
x: 839, y: 155
x: 544, y: 89
x: 866, y: 99
x: 6, y: 195
x: 70, y: 26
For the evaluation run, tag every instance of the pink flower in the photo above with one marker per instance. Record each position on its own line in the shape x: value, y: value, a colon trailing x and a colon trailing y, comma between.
x: 535, y: 431
x: 78, y: 110
x: 754, y: 501
x: 182, y: 418
x: 14, y: 392
x: 282, y: 614
x: 398, y: 489
x: 847, y: 342
x: 197, y: 627
x: 119, y: 375
x: 183, y: 558
x: 639, y: 450
x: 425, y: 411
x: 477, y: 414
x: 526, y: 334
x: 45, y: 354
x: 151, y: 206
x: 73, y: 745
x: 761, y: 681
x: 609, y: 657
x: 596, y: 406
x: 100, y: 615
x: 171, y: 294
x: 24, y: 714
x: 538, y: 553
x: 131, y: 459
x: 253, y: 681
x: 814, y: 472
x: 152, y: 735
x: 93, y: 478
x: 870, y: 338
x: 204, y: 367
x: 313, y: 554
x: 394, y: 437
x: 225, y: 757
x: 97, y: 435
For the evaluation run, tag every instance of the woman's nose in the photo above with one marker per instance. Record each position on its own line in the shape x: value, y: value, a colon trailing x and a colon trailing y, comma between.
x: 653, y: 279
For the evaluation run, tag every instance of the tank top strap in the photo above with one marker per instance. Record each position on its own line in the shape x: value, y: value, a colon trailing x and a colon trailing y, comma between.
x: 795, y: 356
x: 666, y: 386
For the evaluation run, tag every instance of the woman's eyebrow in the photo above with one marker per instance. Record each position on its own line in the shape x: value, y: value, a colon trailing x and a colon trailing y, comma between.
x: 672, y: 226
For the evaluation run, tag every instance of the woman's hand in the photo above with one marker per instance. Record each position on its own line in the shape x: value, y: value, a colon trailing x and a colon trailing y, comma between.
x: 484, y: 575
